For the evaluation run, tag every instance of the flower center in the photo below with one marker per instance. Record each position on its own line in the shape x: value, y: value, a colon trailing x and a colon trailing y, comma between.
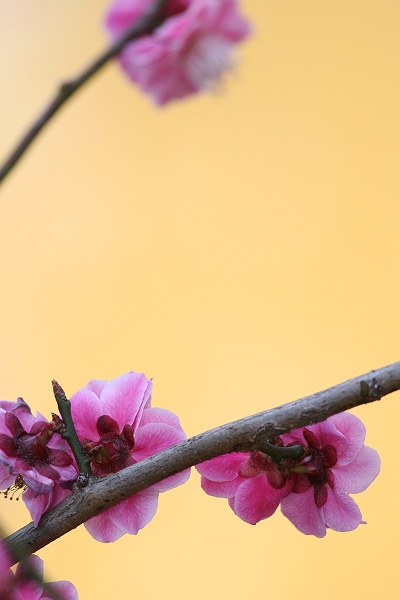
x: 315, y: 469
x: 31, y: 448
x: 257, y: 463
x: 112, y: 452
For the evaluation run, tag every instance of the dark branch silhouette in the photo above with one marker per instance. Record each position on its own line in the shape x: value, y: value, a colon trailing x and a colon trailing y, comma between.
x: 152, y: 19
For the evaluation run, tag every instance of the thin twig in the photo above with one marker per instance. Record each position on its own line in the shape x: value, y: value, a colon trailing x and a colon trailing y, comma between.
x: 240, y: 436
x: 69, y: 434
x: 146, y: 24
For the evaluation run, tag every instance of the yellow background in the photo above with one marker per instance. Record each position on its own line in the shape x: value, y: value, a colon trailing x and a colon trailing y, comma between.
x: 241, y: 248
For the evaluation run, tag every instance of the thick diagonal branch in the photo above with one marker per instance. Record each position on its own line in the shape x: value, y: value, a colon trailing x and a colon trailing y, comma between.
x: 240, y: 436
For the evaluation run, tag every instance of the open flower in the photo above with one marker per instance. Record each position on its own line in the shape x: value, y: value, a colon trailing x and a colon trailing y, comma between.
x: 313, y: 490
x: 253, y: 484
x: 117, y: 428
x: 187, y: 53
x: 33, y: 457
x: 336, y: 463
x: 27, y: 582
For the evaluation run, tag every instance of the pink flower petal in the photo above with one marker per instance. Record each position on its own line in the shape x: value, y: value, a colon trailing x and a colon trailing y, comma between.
x: 302, y: 511
x: 62, y: 590
x: 359, y: 474
x: 172, y: 481
x: 340, y: 511
x: 329, y: 435
x: 354, y: 431
x: 124, y: 398
x: 138, y: 511
x: 35, y: 563
x: 38, y: 483
x: 256, y: 499
x: 6, y: 479
x: 221, y: 489
x: 153, y: 438
x: 127, y: 517
x: 96, y: 386
x: 160, y: 415
x: 38, y: 505
x: 86, y: 408
x: 224, y: 467
x: 102, y: 529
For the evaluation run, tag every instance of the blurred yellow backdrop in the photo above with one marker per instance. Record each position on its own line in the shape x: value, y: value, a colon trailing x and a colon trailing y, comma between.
x: 241, y: 248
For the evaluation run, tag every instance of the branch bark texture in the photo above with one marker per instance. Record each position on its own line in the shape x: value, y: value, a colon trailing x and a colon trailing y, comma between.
x: 239, y: 436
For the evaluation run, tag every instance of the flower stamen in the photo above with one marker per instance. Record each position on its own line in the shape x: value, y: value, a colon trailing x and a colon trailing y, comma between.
x: 19, y: 485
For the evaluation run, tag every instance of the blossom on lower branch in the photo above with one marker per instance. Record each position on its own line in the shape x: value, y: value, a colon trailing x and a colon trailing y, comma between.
x: 188, y: 52
x: 313, y: 490
x: 117, y: 427
x: 33, y: 458
x: 27, y: 581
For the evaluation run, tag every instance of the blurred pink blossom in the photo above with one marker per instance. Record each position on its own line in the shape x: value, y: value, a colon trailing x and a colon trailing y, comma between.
x: 187, y: 53
x: 27, y: 582
x: 117, y: 428
x: 33, y: 457
x: 313, y: 490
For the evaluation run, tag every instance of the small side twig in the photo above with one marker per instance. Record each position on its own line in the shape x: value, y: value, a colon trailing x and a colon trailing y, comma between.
x: 69, y: 434
x: 150, y: 20
x: 277, y: 453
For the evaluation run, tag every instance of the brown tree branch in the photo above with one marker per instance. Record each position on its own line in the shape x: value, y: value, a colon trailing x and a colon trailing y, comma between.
x: 242, y: 435
x: 146, y: 24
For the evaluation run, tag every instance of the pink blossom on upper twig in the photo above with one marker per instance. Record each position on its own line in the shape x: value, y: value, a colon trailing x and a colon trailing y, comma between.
x: 117, y: 428
x: 313, y: 490
x: 187, y: 53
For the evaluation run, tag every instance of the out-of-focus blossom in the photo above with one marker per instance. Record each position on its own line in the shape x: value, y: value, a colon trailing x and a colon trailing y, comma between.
x: 27, y: 581
x: 313, y: 490
x: 187, y: 53
x: 5, y: 563
x: 117, y: 428
x: 33, y: 457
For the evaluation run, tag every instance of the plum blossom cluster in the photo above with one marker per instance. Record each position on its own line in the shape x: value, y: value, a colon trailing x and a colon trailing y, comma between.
x: 117, y: 427
x: 188, y: 52
x: 313, y: 490
x: 27, y: 581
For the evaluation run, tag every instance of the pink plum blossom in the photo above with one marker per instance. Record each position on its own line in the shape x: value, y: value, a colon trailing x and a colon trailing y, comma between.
x: 187, y: 53
x: 117, y: 427
x: 313, y: 490
x: 252, y: 483
x: 27, y: 581
x: 336, y: 463
x: 33, y: 457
